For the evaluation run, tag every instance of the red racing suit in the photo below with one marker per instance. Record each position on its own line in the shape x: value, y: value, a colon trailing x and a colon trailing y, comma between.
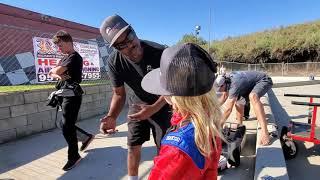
x: 179, y: 158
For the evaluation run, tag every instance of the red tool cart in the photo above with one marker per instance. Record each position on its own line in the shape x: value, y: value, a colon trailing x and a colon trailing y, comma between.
x: 307, y: 132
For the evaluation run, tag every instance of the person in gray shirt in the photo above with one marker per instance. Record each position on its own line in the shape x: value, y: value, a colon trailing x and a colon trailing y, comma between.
x: 238, y: 86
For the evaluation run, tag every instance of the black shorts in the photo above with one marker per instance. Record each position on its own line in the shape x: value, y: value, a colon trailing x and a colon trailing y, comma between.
x: 139, y: 131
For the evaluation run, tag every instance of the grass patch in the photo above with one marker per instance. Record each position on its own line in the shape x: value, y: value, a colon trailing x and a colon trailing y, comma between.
x: 18, y: 88
x: 30, y: 87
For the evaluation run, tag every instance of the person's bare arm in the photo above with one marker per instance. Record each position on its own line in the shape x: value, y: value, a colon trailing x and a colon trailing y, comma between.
x: 59, y: 70
x: 159, y: 103
x: 108, y: 122
x: 228, y: 109
x: 117, y: 101
x: 223, y: 97
x: 148, y: 110
x: 58, y: 73
x: 55, y: 76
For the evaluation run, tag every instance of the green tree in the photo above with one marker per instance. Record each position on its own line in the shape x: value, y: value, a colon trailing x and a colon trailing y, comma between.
x: 191, y: 38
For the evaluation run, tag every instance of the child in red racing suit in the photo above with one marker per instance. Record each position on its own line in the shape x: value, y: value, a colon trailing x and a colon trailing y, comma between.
x: 173, y: 163
x: 192, y: 147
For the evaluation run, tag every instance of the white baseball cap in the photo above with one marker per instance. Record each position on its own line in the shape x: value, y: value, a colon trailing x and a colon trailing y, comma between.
x: 220, y: 80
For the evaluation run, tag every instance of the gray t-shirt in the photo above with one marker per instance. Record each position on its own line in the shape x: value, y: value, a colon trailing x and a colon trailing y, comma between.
x: 242, y: 82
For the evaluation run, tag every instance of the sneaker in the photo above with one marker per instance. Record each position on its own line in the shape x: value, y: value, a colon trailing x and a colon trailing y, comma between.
x: 86, y: 143
x: 71, y: 164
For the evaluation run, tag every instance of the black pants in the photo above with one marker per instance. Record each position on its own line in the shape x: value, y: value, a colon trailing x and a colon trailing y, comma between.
x: 247, y: 109
x: 70, y: 110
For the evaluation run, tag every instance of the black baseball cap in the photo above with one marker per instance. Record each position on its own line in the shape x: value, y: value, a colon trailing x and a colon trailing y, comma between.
x: 185, y: 70
x: 112, y: 27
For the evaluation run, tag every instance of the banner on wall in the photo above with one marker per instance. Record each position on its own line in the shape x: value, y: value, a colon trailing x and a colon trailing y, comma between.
x: 48, y: 56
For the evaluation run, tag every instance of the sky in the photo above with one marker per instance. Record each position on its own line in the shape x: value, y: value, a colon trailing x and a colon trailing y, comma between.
x: 166, y: 21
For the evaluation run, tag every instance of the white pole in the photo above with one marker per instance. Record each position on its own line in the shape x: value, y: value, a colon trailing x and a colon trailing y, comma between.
x: 209, y: 30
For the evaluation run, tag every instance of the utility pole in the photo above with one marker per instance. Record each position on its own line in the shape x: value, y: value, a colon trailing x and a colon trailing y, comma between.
x: 197, y: 29
x: 209, y: 30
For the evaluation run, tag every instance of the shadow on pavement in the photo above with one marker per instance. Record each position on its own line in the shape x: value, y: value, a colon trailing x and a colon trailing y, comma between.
x: 301, y: 163
x: 25, y: 150
x: 105, y: 163
x: 21, y: 152
x: 115, y: 135
x: 281, y: 116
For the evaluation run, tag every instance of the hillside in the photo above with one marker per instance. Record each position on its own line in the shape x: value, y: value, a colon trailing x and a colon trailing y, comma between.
x: 296, y: 43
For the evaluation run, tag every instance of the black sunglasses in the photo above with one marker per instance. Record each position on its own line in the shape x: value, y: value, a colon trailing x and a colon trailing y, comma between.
x: 125, y: 43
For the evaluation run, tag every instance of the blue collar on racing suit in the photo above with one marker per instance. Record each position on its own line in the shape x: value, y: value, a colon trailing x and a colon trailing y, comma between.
x: 183, y: 139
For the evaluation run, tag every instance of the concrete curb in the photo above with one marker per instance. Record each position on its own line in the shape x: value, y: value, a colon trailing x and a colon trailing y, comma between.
x: 270, y: 162
x: 298, y: 83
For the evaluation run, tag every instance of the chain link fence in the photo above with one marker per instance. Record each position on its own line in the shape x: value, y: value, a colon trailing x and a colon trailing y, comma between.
x: 304, y: 69
x: 17, y: 58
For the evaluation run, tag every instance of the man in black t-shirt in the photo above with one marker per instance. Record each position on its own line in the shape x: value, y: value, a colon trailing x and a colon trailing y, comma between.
x: 129, y: 63
x: 69, y: 73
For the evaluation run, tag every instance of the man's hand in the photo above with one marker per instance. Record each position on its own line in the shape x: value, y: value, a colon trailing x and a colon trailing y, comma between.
x: 108, y: 125
x: 144, y: 112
